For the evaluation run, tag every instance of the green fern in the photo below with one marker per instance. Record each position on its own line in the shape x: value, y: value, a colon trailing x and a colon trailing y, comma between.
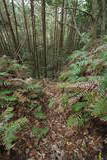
x: 78, y: 120
x: 7, y: 115
x: 51, y: 103
x: 8, y: 129
x: 64, y: 100
x: 3, y: 74
x: 35, y: 88
x: 78, y: 106
x: 39, y: 114
x: 9, y: 98
x: 40, y: 133
x: 103, y: 55
x: 100, y: 108
x: 5, y: 92
x: 74, y: 121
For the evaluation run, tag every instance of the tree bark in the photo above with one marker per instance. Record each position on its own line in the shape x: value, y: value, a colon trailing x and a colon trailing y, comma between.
x: 15, y: 21
x: 43, y: 5
x: 35, y: 54
x: 10, y: 25
x: 103, y: 24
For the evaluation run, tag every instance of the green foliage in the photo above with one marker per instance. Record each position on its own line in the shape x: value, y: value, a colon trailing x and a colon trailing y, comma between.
x: 99, y: 109
x: 64, y: 100
x: 7, y: 114
x: 5, y: 92
x: 39, y: 114
x: 85, y: 38
x: 9, y: 129
x: 3, y: 74
x: 35, y: 87
x: 100, y: 156
x: 73, y: 121
x: 9, y: 66
x: 82, y: 112
x: 78, y: 120
x: 14, y: 66
x: 78, y: 106
x: 103, y: 85
x: 7, y: 97
x: 77, y: 68
x: 93, y: 102
x: 51, y: 102
x: 40, y: 133
x: 105, y: 38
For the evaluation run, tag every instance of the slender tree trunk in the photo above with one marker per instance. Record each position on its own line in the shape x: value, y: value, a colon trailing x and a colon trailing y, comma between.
x: 95, y: 12
x: 44, y: 35
x: 10, y: 25
x: 62, y: 26
x: 5, y: 43
x: 35, y: 54
x: 26, y: 27
x: 16, y: 28
x: 7, y: 37
x: 103, y: 24
x: 61, y: 40
x: 55, y: 42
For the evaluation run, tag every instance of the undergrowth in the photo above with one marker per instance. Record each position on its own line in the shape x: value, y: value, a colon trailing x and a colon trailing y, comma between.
x: 18, y: 92
x: 85, y: 76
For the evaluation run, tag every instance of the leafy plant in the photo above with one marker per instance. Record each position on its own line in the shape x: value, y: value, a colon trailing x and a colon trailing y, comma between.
x: 9, y: 137
x: 64, y: 100
x: 100, y: 108
x: 78, y: 120
x: 40, y: 132
x: 3, y: 74
x: 78, y: 106
x: 73, y: 121
x: 9, y: 129
x: 51, y: 102
x: 39, y: 114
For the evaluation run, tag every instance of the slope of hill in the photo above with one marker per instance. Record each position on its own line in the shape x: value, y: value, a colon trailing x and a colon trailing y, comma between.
x: 64, y: 120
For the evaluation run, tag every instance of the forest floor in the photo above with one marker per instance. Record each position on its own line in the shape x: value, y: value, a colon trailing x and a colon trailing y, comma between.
x: 57, y: 141
x: 61, y: 142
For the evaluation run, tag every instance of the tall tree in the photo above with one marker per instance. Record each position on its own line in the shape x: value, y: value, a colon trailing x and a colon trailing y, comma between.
x: 62, y: 26
x: 43, y: 12
x: 35, y: 54
x: 10, y: 25
x: 95, y: 21
x: 15, y: 20
x: 103, y: 24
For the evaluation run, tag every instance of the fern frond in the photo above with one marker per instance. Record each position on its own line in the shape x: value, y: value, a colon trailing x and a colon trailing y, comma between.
x: 7, y: 114
x: 8, y: 129
x: 75, y: 120
x: 99, y: 108
x: 40, y: 132
x: 9, y: 136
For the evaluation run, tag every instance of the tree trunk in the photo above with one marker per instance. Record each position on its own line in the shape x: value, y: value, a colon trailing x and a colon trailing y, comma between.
x: 103, y: 24
x: 62, y: 26
x: 15, y: 21
x: 35, y: 54
x: 95, y: 13
x: 61, y: 40
x: 25, y: 22
x: 44, y: 35
x: 10, y: 25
